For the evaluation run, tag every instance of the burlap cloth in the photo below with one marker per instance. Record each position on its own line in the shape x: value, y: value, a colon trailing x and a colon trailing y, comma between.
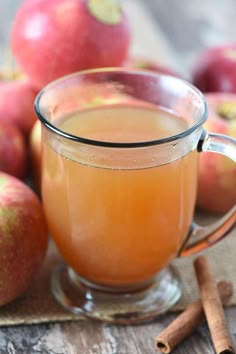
x: 37, y: 305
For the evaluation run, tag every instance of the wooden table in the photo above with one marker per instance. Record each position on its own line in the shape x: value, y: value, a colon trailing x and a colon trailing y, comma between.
x: 172, y: 32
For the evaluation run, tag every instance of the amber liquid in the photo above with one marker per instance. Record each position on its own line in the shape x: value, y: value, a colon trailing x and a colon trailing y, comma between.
x: 117, y: 226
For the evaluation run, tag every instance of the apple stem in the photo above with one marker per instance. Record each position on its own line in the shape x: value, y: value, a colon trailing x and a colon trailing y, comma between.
x: 106, y: 11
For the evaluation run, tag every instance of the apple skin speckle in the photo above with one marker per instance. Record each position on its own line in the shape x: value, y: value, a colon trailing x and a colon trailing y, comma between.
x: 19, y: 109
x: 217, y: 173
x: 13, y: 155
x: 23, y: 237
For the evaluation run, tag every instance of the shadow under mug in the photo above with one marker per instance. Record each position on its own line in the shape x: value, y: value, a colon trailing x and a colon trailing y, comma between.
x: 119, y: 182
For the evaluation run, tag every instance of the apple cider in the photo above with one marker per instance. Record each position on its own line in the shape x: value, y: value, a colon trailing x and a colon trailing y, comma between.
x: 118, y: 225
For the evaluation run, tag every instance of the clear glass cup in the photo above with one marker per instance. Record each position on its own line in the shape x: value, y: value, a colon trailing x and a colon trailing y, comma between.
x: 119, y: 182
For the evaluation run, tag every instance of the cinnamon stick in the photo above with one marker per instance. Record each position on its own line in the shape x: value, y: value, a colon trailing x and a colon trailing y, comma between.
x: 213, y: 307
x: 188, y: 320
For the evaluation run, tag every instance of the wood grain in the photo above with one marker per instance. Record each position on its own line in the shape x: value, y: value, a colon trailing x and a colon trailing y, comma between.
x: 86, y: 337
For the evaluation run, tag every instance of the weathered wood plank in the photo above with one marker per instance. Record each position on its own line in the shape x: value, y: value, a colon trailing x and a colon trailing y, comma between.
x: 89, y: 337
x: 193, y: 25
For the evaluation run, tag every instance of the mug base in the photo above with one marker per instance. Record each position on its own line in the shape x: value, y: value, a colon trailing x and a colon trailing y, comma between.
x: 132, y: 307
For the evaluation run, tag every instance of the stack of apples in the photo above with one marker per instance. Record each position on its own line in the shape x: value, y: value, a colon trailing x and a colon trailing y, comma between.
x: 49, y: 39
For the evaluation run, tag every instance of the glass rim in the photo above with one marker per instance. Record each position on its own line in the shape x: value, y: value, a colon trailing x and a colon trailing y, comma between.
x: 110, y: 144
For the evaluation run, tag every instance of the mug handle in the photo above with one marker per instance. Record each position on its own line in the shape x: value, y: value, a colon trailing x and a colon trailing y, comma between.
x: 206, y: 236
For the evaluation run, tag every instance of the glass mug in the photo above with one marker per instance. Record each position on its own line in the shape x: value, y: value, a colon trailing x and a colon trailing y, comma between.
x: 119, y: 180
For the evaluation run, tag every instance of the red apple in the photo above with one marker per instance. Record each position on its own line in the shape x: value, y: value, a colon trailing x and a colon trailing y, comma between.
x: 52, y: 38
x: 148, y: 64
x: 23, y: 237
x: 12, y: 150
x: 35, y: 154
x: 215, y: 69
x: 217, y: 174
x: 17, y: 104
